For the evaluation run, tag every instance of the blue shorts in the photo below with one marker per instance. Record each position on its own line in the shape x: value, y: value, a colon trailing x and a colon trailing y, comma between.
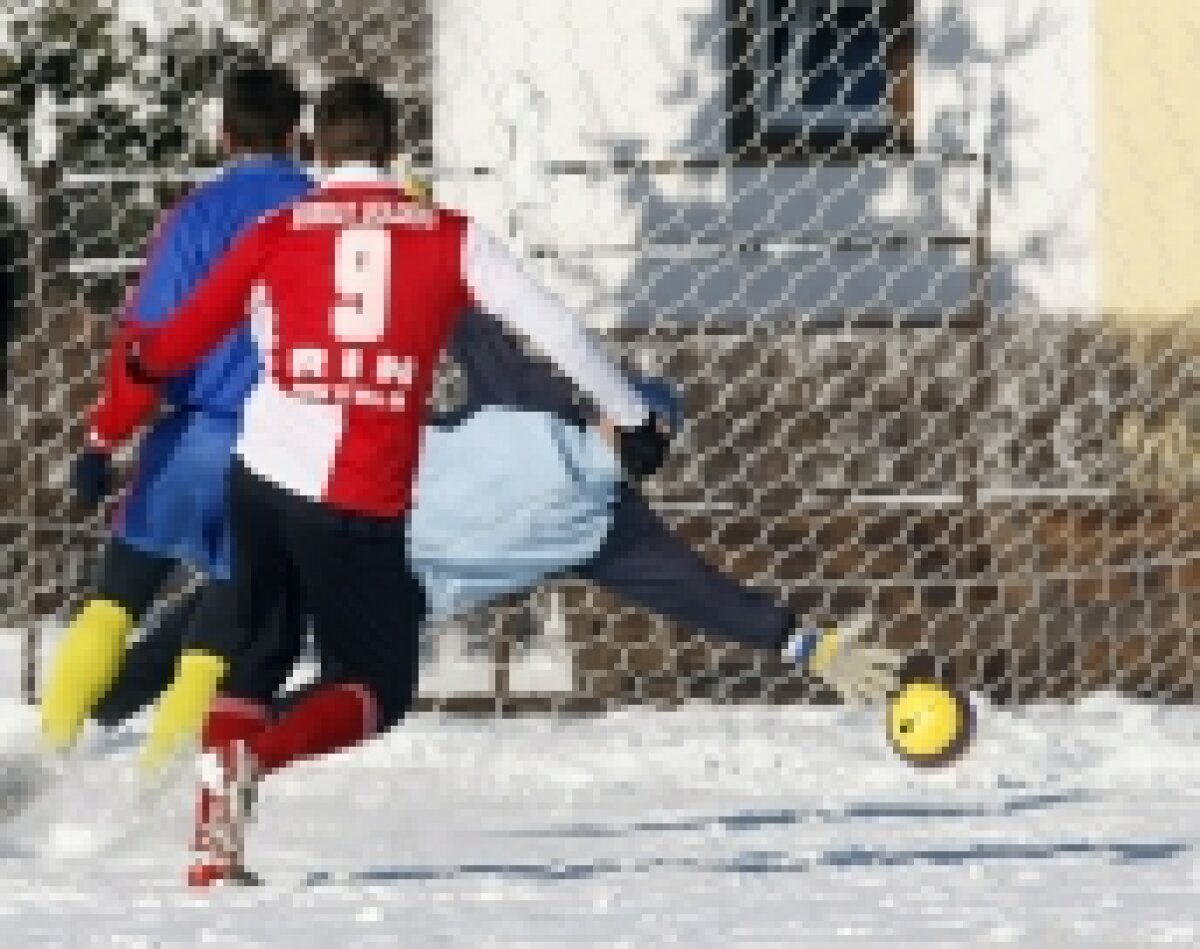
x: 177, y: 504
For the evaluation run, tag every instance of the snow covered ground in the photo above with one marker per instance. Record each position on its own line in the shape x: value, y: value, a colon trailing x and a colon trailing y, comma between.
x: 708, y: 826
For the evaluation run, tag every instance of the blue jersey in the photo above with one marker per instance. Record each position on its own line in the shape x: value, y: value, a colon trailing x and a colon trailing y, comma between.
x: 189, y: 241
x: 175, y: 505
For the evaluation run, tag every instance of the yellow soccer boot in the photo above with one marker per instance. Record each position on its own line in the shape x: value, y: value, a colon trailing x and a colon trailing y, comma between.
x: 178, y: 718
x: 84, y: 666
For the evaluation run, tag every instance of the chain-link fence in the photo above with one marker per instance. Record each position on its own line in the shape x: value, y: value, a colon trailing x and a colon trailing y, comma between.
x: 861, y: 236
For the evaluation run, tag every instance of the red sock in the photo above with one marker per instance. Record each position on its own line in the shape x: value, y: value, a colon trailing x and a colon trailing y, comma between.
x: 231, y: 719
x: 328, y: 719
x: 228, y: 720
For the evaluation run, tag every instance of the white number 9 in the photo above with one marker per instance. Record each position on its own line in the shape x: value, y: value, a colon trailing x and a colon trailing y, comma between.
x: 362, y: 270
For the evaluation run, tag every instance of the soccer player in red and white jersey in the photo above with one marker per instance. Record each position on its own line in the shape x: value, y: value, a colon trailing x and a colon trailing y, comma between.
x: 354, y: 291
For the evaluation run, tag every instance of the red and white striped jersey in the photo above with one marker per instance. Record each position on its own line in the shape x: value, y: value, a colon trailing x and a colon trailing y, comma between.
x: 354, y: 290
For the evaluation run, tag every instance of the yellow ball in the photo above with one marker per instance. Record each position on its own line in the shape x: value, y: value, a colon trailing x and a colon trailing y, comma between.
x: 929, y: 724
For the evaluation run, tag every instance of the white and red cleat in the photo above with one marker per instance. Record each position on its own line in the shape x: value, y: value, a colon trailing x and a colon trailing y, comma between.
x: 228, y: 782
x: 227, y: 779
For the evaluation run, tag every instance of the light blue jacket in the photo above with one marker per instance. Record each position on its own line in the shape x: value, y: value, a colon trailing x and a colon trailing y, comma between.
x: 504, y: 499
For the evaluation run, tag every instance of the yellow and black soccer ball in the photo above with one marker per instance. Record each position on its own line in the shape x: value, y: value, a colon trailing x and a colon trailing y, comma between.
x: 929, y: 724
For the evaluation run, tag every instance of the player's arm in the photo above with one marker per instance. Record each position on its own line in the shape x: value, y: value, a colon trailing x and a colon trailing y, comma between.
x: 125, y: 403
x: 124, y: 406
x: 214, y: 309
x: 497, y: 282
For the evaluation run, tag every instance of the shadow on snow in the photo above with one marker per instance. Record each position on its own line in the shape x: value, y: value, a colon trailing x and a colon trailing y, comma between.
x: 754, y: 820
x: 760, y: 862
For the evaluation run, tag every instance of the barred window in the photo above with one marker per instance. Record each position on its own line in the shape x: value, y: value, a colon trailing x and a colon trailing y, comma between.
x: 820, y: 78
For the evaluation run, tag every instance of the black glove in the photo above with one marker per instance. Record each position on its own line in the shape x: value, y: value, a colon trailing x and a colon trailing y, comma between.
x: 642, y: 449
x: 92, y: 476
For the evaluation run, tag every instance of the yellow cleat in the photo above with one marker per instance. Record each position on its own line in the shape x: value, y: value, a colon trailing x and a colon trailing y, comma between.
x: 178, y: 719
x: 84, y: 666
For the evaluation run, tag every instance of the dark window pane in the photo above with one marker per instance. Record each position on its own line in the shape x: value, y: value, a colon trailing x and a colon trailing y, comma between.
x: 846, y: 65
x: 826, y: 63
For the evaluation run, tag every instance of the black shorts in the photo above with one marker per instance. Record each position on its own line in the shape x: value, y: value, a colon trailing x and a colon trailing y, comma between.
x: 207, y: 619
x: 352, y: 574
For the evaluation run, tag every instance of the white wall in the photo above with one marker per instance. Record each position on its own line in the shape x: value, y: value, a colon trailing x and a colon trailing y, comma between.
x: 631, y: 79
x: 1014, y: 78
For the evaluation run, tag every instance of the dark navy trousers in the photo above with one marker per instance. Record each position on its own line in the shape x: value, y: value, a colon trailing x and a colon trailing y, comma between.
x: 641, y: 560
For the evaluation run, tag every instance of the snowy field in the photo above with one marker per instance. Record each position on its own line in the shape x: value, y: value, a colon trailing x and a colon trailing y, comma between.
x: 708, y: 826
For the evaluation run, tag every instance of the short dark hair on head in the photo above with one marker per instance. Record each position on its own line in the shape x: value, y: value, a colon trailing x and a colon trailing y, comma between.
x: 260, y: 107
x: 356, y: 120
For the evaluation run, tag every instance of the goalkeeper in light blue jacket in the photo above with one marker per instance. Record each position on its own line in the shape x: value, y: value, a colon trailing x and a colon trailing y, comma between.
x: 555, y: 503
x: 516, y: 487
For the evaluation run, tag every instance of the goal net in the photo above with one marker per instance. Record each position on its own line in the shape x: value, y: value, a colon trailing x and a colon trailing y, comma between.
x: 921, y: 279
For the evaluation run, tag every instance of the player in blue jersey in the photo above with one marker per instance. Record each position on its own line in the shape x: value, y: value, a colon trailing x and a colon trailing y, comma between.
x: 174, y: 506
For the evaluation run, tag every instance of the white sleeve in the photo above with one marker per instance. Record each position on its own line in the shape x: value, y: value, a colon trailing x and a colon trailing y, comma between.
x: 502, y: 288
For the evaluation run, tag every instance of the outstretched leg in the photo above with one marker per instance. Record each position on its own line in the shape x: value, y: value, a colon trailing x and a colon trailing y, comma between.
x: 644, y: 563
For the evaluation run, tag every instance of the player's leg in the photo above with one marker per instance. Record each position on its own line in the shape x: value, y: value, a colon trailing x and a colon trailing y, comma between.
x: 89, y: 656
x: 132, y: 576
x: 644, y: 563
x: 226, y: 791
x: 250, y: 689
x: 149, y: 664
x: 226, y: 621
x: 167, y: 512
x: 255, y: 672
x: 255, y: 675
x: 367, y: 608
x: 258, y: 673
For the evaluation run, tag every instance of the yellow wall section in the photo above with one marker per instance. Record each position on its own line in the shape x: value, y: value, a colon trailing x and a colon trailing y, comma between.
x: 1148, y: 156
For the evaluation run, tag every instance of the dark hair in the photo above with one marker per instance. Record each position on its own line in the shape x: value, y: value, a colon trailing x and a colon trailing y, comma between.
x: 260, y: 107
x: 356, y: 120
